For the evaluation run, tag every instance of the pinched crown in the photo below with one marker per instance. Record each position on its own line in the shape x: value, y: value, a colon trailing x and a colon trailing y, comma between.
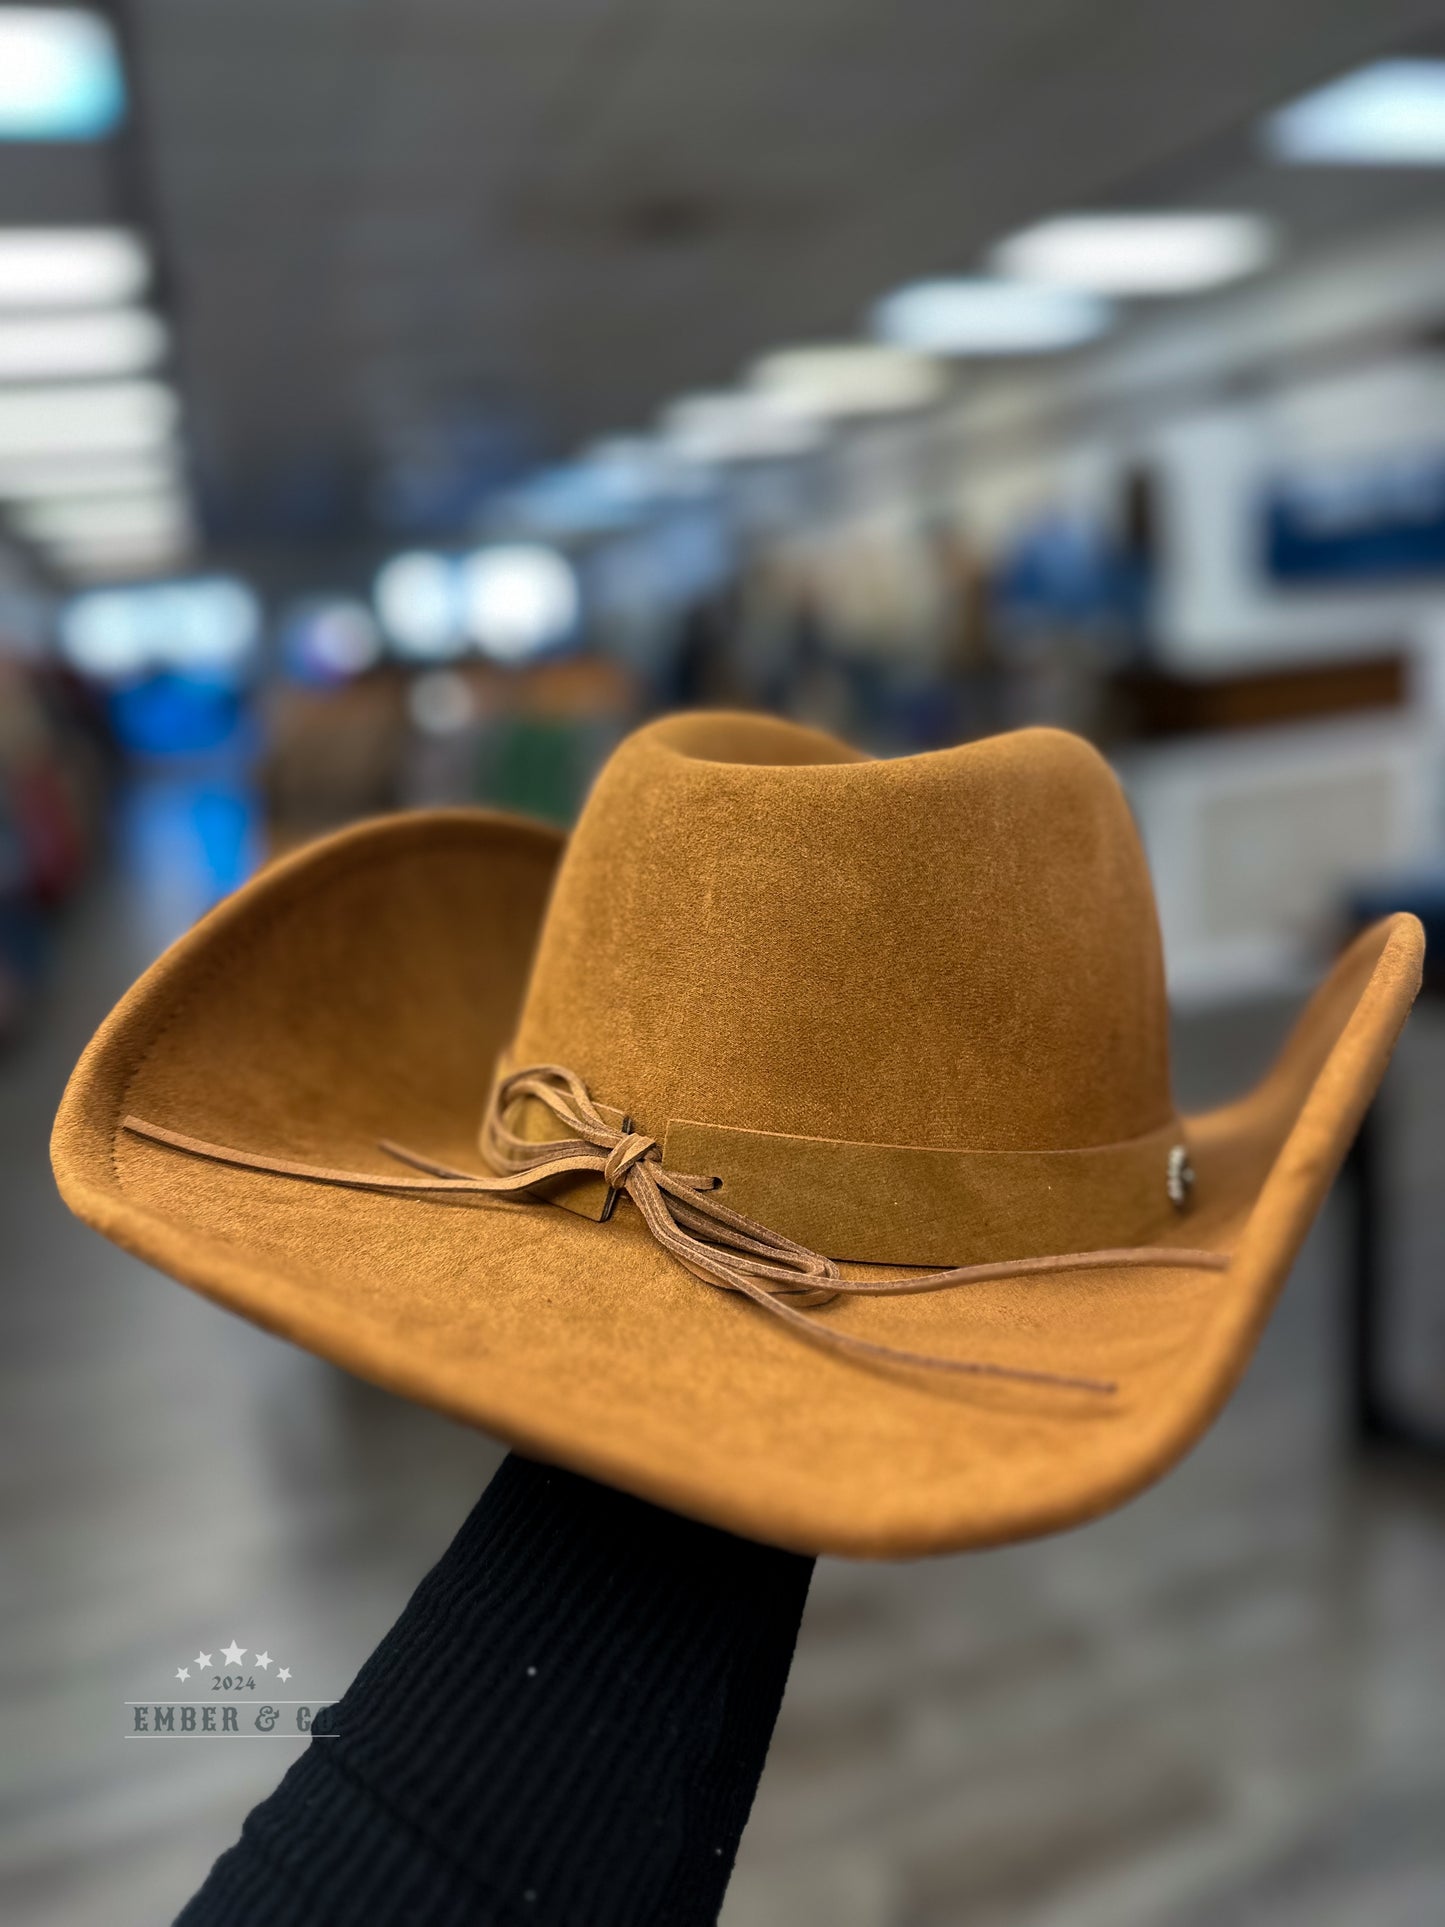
x: 756, y: 926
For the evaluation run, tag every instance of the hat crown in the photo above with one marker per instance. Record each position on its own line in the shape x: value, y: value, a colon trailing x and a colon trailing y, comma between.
x: 756, y: 926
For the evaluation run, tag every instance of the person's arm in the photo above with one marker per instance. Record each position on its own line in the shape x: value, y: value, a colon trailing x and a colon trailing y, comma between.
x: 566, y: 1725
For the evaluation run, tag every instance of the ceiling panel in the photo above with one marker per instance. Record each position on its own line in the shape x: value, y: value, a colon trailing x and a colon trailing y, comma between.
x: 478, y: 231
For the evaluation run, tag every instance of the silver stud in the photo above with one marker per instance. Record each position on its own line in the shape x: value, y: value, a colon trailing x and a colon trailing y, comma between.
x: 1181, y: 1176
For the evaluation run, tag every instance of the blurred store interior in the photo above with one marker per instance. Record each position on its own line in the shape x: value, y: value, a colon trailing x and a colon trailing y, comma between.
x: 398, y: 402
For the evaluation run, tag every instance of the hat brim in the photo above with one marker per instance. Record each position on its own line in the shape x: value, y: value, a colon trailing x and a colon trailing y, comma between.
x: 363, y: 989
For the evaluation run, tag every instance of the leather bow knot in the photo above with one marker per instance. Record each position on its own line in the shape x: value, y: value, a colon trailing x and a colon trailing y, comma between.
x: 625, y: 1154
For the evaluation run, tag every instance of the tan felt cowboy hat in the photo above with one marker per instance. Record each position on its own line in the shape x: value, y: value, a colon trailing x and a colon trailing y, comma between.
x: 910, y: 1249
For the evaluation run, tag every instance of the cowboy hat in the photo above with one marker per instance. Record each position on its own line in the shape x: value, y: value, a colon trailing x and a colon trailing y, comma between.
x: 830, y: 1185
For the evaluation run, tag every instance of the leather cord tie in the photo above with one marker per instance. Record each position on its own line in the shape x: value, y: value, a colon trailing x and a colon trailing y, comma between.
x: 690, y: 1222
x: 625, y: 1155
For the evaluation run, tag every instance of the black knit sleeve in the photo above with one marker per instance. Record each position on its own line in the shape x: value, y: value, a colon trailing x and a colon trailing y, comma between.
x: 566, y: 1725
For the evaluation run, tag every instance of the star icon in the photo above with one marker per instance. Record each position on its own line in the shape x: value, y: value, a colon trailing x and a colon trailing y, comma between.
x: 203, y: 1660
x: 283, y: 1673
x: 183, y: 1672
x: 232, y: 1653
x: 263, y: 1660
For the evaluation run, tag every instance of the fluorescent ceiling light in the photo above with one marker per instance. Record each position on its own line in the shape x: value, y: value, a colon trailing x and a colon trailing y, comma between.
x: 639, y: 469
x: 518, y: 598
x: 845, y: 379
x: 639, y: 464
x: 89, y: 418
x: 1138, y: 254
x: 103, y: 518
x: 70, y: 267
x: 577, y: 498
x: 142, y: 538
x: 60, y: 75
x: 100, y: 638
x: 736, y: 426
x: 50, y: 480
x: 211, y: 622
x: 117, y: 341
x: 610, y: 486
x: 1390, y: 114
x: 977, y: 317
x: 417, y: 603
x: 109, y: 561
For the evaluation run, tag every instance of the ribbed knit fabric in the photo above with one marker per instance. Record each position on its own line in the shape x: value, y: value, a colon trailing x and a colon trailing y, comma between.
x: 565, y: 1726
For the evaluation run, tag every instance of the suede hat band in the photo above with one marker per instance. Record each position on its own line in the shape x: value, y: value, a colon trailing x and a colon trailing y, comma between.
x: 716, y: 1243
x: 896, y: 1204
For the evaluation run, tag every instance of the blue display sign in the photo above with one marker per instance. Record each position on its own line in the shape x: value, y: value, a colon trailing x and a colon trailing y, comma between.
x: 1377, y: 522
